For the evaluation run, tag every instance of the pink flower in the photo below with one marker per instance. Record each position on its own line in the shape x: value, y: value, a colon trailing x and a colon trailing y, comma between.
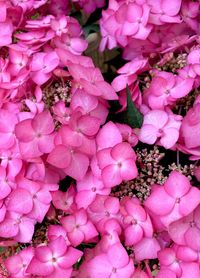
x: 42, y: 66
x: 8, y: 121
x: 78, y: 227
x: 102, y: 210
x: 17, y: 226
x: 18, y: 263
x: 164, y: 11
x: 177, y: 193
x: 137, y: 223
x: 54, y: 260
x: 64, y: 201
x: 59, y: 25
x: 190, y: 128
x: 39, y: 136
x: 186, y: 231
x: 166, y: 88
x: 160, y: 125
x: 91, y: 79
x: 193, y: 59
x: 6, y: 183
x: 88, y: 188
x: 110, y: 265
x: 146, y: 249
x: 6, y: 29
x: 133, y: 19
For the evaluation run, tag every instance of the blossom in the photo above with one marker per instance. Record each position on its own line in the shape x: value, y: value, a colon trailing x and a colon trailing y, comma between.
x: 177, y: 193
x: 117, y: 164
x: 39, y: 137
x: 78, y: 227
x: 42, y: 66
x: 17, y: 264
x: 159, y: 125
x: 107, y: 265
x: 54, y: 260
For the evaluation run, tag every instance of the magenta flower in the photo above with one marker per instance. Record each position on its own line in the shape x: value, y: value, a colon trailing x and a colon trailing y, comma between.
x: 164, y: 11
x: 42, y: 66
x: 162, y: 126
x: 137, y: 223
x: 107, y: 265
x: 6, y: 30
x: 166, y: 88
x: 88, y: 188
x: 17, y: 264
x: 177, y: 193
x: 117, y: 164
x: 39, y: 137
x: 64, y: 200
x: 78, y: 227
x: 54, y: 260
x: 186, y: 231
x: 17, y: 226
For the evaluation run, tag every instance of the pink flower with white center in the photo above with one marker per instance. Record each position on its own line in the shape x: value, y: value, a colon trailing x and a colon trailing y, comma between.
x: 11, y: 160
x: 18, y: 263
x: 137, y: 223
x: 162, y: 126
x: 18, y: 61
x: 54, y: 260
x: 164, y: 11
x: 8, y: 120
x: 17, y: 226
x: 65, y: 200
x: 88, y: 188
x: 59, y: 25
x: 165, y: 88
x: 42, y: 66
x: 133, y: 19
x: 39, y: 135
x: 113, y: 263
x: 78, y: 227
x: 186, y: 231
x: 103, y: 209
x: 177, y: 193
x: 117, y: 164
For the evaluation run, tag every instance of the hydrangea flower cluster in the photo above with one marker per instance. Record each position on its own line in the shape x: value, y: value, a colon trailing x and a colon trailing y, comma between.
x: 65, y: 148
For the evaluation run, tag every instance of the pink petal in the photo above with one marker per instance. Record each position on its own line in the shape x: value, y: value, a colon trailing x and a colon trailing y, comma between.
x: 133, y: 234
x: 177, y: 185
x: 78, y: 166
x: 21, y: 127
x: 148, y: 134
x: 60, y: 157
x: 20, y: 201
x: 43, y: 123
x: 186, y: 206
x: 155, y: 202
x: 36, y: 267
x: 111, y: 175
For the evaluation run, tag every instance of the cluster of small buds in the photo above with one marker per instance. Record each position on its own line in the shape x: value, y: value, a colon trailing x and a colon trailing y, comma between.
x: 55, y: 92
x: 186, y: 170
x: 173, y: 62
x: 150, y: 172
x: 187, y: 102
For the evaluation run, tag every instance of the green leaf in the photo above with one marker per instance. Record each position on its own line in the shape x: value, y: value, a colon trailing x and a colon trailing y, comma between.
x: 131, y: 115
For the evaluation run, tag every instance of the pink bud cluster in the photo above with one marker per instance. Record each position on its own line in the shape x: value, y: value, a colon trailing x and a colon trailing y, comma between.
x: 41, y: 45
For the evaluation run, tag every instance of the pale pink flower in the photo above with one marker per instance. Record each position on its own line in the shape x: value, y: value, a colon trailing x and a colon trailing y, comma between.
x: 162, y: 126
